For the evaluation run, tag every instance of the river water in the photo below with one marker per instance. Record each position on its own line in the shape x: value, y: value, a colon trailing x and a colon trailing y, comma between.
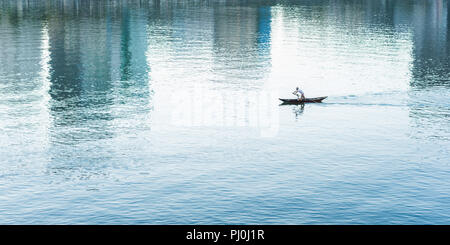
x: 105, y: 112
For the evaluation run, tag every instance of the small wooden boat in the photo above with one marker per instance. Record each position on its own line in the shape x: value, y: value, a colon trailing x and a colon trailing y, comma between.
x: 306, y: 100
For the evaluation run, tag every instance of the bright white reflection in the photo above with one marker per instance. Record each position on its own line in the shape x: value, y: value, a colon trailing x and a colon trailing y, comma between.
x: 329, y: 59
x: 44, y: 76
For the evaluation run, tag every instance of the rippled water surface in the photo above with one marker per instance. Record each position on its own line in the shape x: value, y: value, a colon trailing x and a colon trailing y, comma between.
x: 91, y: 94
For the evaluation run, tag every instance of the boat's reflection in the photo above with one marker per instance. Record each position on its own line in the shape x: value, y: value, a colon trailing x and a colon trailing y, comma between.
x: 298, y: 110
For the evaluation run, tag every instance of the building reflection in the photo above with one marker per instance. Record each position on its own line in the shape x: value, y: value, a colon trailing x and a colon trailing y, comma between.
x: 431, y: 66
x: 96, y: 80
x: 23, y: 82
x: 430, y: 70
x: 76, y: 75
x: 242, y: 35
x: 428, y: 23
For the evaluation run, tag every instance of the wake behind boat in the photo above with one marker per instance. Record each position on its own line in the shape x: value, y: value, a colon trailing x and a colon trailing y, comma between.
x: 305, y: 100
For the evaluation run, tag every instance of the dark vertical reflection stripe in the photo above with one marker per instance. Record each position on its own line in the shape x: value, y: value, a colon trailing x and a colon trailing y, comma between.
x: 431, y: 65
x: 65, y: 60
x: 124, y: 45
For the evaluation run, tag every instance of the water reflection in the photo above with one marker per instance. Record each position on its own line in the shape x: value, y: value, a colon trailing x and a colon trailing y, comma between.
x: 298, y: 110
x: 96, y: 81
x: 75, y: 76
x: 77, y: 80
x: 241, y: 36
x: 431, y: 65
x: 91, y: 74
x: 24, y: 118
x: 99, y: 83
x: 429, y: 107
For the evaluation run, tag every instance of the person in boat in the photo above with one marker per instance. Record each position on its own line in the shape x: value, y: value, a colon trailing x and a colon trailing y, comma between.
x: 299, y: 93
